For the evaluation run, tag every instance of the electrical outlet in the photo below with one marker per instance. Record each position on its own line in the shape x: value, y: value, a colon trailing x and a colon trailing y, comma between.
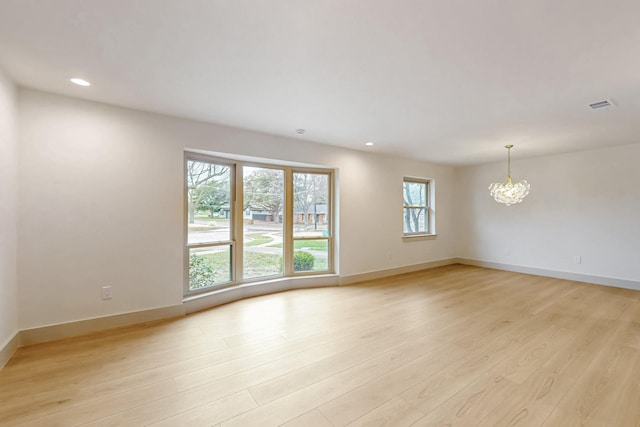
x: 106, y: 292
x: 577, y: 259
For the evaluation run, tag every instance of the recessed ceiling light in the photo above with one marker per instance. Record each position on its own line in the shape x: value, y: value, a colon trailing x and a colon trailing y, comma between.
x: 369, y: 144
x: 300, y: 131
x: 80, y: 82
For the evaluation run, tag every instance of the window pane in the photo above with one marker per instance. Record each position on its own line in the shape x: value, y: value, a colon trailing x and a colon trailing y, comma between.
x: 209, y: 266
x: 263, y: 218
x: 415, y: 220
x: 311, y: 255
x: 208, y: 192
x: 311, y: 208
x: 415, y: 193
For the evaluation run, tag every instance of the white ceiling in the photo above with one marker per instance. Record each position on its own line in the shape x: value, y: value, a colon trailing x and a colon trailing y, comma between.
x: 449, y: 81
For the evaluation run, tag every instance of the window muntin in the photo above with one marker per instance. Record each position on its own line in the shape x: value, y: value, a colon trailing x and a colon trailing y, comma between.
x: 243, y: 223
x: 416, y: 209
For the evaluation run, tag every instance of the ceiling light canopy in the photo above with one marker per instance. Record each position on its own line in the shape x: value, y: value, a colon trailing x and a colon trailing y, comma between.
x: 79, y: 81
x: 507, y: 192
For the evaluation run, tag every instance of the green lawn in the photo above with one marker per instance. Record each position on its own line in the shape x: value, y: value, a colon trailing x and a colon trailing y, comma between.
x: 220, y: 260
x: 257, y: 264
x: 320, y: 264
x: 316, y: 245
x: 213, y: 268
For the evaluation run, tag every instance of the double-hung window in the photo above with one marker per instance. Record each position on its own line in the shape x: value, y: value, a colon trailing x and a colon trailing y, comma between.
x: 210, y: 223
x: 417, y: 210
x: 312, y: 194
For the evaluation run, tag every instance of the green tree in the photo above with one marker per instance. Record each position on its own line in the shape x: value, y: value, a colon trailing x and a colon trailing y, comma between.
x: 264, y: 191
x: 204, y: 179
x: 214, y: 199
x: 309, y: 189
x: 414, y: 195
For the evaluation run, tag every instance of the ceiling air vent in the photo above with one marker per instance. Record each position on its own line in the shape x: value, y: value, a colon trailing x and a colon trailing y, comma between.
x: 601, y: 104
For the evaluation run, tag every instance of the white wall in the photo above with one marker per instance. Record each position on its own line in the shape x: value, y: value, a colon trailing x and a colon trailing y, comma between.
x: 8, y: 211
x: 583, y: 204
x: 101, y: 204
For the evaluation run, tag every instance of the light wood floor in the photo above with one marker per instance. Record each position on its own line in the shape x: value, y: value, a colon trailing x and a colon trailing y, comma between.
x: 456, y: 345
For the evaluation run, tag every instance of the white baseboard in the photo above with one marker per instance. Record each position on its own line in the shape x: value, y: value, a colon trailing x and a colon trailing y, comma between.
x: 80, y: 327
x: 190, y: 305
x: 8, y: 349
x: 577, y: 277
x: 379, y: 274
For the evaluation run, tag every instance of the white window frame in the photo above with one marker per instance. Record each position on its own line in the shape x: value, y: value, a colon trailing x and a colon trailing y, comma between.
x: 429, y: 207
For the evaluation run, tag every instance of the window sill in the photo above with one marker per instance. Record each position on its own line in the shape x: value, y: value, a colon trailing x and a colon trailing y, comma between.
x: 418, y: 237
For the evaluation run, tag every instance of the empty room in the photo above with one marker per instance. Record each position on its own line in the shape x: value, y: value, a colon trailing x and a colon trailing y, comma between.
x: 319, y: 213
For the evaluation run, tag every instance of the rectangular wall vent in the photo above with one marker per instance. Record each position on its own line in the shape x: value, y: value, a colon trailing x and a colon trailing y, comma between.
x: 601, y: 104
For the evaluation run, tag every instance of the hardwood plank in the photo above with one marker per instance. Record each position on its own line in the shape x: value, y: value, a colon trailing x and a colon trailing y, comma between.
x: 303, y: 400
x: 205, y: 415
x: 146, y: 398
x: 310, y: 419
x: 395, y: 413
x: 468, y: 406
x: 455, y: 345
x: 436, y: 389
x: 111, y: 421
x: 598, y: 395
x: 425, y: 377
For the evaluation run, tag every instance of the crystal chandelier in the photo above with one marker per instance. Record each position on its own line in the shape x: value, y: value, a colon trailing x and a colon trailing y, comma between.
x: 507, y: 192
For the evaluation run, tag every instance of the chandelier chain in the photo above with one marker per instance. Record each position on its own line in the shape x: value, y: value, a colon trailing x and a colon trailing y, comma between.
x: 509, y: 147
